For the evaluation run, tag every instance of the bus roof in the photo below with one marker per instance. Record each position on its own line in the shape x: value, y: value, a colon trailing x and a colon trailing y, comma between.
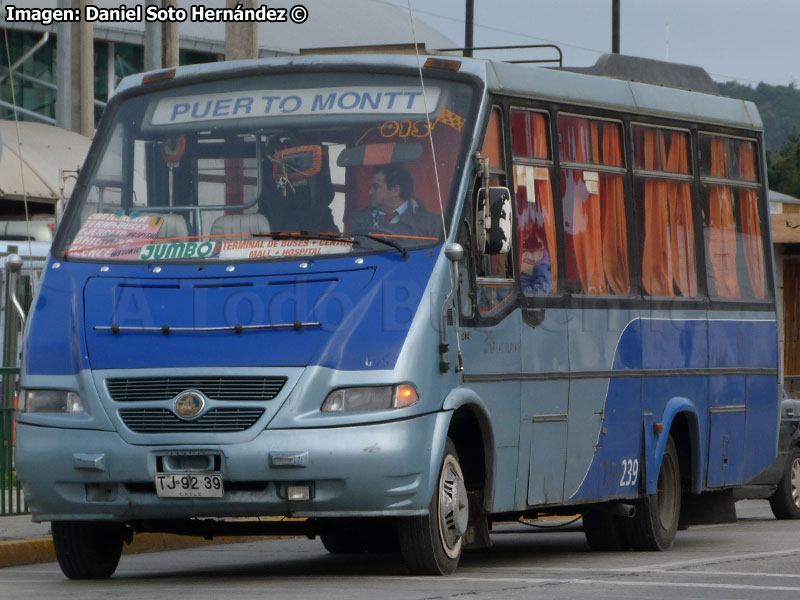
x: 528, y: 81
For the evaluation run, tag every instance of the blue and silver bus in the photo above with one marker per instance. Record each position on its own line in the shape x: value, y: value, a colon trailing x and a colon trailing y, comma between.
x: 402, y: 298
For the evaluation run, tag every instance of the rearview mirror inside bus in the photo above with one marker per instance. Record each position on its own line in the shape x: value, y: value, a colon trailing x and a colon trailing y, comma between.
x: 296, y: 164
x: 379, y: 154
x: 493, y: 220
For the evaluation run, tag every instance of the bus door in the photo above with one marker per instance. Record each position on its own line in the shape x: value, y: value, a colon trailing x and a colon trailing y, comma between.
x: 489, y: 336
x: 545, y: 358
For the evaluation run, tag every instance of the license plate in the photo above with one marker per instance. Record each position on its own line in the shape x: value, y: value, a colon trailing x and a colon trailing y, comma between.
x: 189, y: 485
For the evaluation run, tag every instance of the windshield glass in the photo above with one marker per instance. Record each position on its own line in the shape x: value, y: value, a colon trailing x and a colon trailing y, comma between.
x: 272, y: 167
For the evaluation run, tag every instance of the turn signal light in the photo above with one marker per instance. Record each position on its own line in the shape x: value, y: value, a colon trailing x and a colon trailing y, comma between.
x: 442, y: 64
x: 405, y: 395
x: 159, y: 76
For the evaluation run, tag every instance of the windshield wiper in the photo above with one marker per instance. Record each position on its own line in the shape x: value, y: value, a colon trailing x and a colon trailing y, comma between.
x: 387, y: 241
x: 332, y: 236
x: 307, y: 235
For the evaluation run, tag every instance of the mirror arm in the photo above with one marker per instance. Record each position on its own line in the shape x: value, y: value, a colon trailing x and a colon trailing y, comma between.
x: 454, y: 252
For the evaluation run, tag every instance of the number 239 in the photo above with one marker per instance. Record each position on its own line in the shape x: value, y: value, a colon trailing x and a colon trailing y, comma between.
x: 630, y: 472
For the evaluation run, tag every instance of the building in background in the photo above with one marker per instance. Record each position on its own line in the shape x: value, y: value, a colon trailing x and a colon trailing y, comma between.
x: 119, y: 46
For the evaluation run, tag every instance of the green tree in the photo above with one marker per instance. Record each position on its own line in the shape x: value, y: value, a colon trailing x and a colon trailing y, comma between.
x: 783, y: 167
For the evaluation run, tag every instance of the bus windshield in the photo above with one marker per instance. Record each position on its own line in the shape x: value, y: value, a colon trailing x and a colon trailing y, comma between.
x: 273, y: 167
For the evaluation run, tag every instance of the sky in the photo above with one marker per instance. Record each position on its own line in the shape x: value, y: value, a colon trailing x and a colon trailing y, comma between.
x: 744, y: 40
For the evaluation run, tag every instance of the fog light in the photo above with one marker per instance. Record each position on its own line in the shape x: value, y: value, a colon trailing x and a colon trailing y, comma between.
x: 298, y: 492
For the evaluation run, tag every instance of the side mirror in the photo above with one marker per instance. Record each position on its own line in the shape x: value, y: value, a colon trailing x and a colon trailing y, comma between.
x: 493, y: 221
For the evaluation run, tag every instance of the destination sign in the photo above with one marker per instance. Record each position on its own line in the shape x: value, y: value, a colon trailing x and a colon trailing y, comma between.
x: 318, y: 101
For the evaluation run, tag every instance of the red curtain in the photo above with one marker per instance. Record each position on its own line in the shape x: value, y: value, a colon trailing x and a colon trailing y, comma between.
x: 679, y: 199
x: 615, y: 234
x: 751, y: 222
x: 722, y: 234
x: 586, y: 232
x: 656, y: 255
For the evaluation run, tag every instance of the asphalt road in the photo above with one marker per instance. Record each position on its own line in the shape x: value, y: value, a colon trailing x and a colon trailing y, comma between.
x: 758, y: 557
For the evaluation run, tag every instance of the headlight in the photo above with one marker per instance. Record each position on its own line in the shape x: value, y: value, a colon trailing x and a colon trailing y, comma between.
x: 370, y: 398
x: 49, y: 401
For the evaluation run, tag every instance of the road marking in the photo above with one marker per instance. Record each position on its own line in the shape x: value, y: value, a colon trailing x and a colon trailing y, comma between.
x: 658, y: 567
x: 608, y: 582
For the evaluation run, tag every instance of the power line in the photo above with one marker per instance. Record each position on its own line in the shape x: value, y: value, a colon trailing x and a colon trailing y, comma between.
x: 540, y: 39
x: 496, y: 29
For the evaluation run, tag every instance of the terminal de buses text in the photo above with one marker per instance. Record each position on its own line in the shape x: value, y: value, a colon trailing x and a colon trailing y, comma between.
x: 151, y: 13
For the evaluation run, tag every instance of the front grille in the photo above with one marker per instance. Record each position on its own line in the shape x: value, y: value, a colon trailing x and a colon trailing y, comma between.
x: 217, y: 420
x: 148, y: 389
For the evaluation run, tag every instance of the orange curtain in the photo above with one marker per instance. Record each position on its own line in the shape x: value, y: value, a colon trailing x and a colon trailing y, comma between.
x: 586, y: 232
x: 751, y: 223
x: 679, y: 200
x: 722, y: 237
x: 615, y: 234
x: 656, y: 255
x: 544, y: 193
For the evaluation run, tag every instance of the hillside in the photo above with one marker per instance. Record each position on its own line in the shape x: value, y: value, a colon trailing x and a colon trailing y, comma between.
x: 779, y: 106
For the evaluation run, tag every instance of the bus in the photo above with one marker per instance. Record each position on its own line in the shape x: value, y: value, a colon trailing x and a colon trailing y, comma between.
x: 400, y: 298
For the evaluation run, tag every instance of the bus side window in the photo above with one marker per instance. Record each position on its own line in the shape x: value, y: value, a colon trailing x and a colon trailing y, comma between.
x: 663, y: 206
x: 595, y: 228
x: 536, y: 224
x: 494, y: 274
x: 731, y: 220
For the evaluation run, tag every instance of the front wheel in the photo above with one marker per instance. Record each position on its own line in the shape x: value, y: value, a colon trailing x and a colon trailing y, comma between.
x: 785, y: 502
x: 88, y: 549
x: 655, y: 523
x: 431, y: 544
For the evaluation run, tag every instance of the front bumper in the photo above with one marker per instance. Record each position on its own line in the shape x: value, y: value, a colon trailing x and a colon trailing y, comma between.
x: 384, y: 469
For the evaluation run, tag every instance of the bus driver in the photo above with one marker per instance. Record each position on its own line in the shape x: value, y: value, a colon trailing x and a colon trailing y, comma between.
x: 393, y: 208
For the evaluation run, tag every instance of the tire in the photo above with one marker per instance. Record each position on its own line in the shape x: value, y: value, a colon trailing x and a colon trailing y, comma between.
x: 785, y: 502
x: 655, y: 523
x: 88, y: 549
x: 604, y: 532
x: 431, y: 544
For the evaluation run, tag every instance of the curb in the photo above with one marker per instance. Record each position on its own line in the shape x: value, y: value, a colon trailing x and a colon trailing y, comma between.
x: 40, y: 550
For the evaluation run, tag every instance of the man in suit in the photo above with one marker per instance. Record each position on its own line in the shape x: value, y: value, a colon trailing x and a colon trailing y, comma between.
x: 392, y: 207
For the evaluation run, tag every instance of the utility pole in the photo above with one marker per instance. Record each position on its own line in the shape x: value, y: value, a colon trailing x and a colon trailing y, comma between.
x: 615, y: 26
x: 469, y: 26
x: 241, y: 38
x: 82, y: 75
x: 171, y: 39
x: 153, y: 54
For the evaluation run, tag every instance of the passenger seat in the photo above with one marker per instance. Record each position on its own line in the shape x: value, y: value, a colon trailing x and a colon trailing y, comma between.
x: 174, y: 226
x: 240, y: 224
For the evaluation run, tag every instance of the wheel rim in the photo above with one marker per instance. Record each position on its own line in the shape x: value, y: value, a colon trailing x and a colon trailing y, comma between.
x: 794, y: 479
x: 667, y: 493
x: 453, y: 506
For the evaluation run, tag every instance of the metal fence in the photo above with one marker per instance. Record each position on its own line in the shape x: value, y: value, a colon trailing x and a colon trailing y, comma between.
x: 12, y: 501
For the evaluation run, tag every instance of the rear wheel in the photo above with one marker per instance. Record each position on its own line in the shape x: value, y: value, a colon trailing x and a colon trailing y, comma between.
x: 431, y: 544
x: 785, y: 502
x: 88, y: 549
x: 655, y: 523
x: 604, y: 532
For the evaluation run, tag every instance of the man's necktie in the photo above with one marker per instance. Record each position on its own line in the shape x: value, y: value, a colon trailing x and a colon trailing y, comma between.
x: 389, y: 217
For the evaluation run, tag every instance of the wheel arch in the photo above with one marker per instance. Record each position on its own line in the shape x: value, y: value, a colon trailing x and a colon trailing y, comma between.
x: 470, y: 418
x: 679, y: 419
